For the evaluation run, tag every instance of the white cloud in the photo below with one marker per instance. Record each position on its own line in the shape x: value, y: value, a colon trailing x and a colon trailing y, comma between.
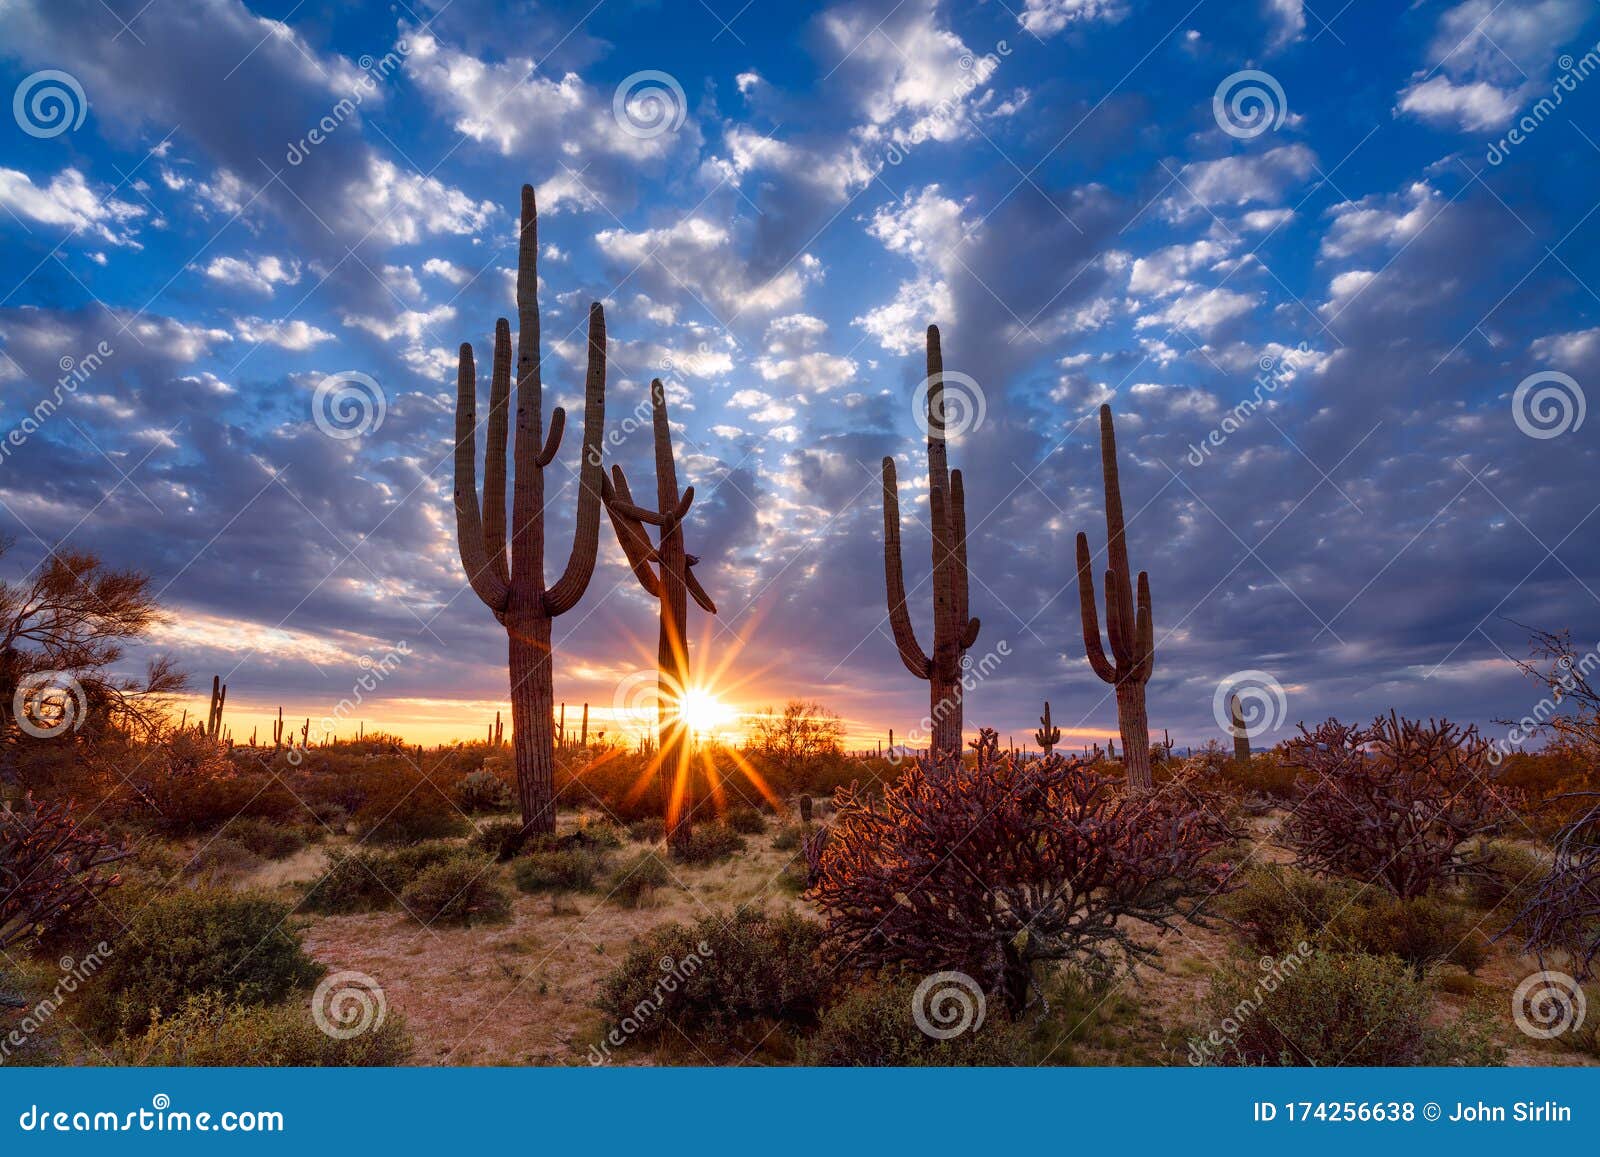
x: 1045, y: 17
x: 1240, y: 180
x: 1201, y: 310
x: 1380, y: 220
x: 290, y: 335
x: 401, y: 208
x: 447, y: 270
x: 1567, y: 349
x: 1165, y: 271
x: 701, y: 256
x: 262, y: 275
x: 68, y: 201
x: 1474, y: 107
x: 411, y: 324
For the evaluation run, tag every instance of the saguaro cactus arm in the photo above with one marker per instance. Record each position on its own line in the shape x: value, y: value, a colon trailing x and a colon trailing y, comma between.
x: 486, y: 583
x: 1089, y: 615
x: 494, y: 459
x: 574, y: 580
x: 905, y: 636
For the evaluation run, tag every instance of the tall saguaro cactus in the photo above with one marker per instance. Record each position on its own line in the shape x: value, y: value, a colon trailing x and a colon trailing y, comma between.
x: 516, y: 590
x: 953, y: 631
x: 671, y: 580
x: 1048, y: 735
x: 219, y: 697
x: 1240, y: 731
x: 1131, y: 633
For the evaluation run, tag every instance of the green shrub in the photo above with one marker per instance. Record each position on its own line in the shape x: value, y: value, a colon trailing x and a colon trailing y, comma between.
x: 1277, y: 906
x: 501, y: 840
x: 635, y: 883
x: 650, y: 830
x: 270, y: 841
x: 746, y: 821
x: 1507, y: 878
x: 874, y: 1026
x: 1336, y: 1009
x: 708, y: 843
x: 371, y: 880
x: 407, y: 812
x: 564, y: 870
x: 483, y: 791
x: 789, y: 838
x: 724, y: 981
x: 188, y: 943
x: 462, y: 890
x: 220, y: 860
x: 1422, y: 932
x: 596, y: 834
x: 209, y: 1031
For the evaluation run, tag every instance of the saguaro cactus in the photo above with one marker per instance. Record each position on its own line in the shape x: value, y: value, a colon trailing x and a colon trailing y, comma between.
x: 1047, y: 736
x: 516, y: 592
x: 953, y: 631
x: 1132, y: 635
x: 1241, y: 732
x: 671, y: 581
x: 219, y: 696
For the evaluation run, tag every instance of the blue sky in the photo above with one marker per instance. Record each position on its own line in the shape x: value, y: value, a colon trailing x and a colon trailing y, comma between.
x: 773, y: 202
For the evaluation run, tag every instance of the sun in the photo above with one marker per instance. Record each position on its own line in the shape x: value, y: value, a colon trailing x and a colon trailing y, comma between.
x: 703, y: 712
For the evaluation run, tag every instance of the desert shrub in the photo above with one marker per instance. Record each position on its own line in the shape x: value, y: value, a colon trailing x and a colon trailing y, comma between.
x: 1561, y: 916
x: 789, y: 838
x: 362, y: 881
x: 1401, y: 803
x: 1337, y: 1009
x: 1506, y: 878
x: 1277, y: 906
x: 708, y: 843
x: 483, y: 791
x: 462, y: 890
x: 955, y: 862
x: 1267, y: 775
x: 220, y: 860
x: 51, y: 866
x: 636, y: 881
x: 725, y: 981
x: 187, y: 943
x: 650, y: 830
x: 558, y: 870
x: 500, y: 840
x: 747, y: 821
x: 270, y: 841
x: 1422, y: 931
x: 209, y: 1031
x: 407, y: 810
x: 594, y: 834
x: 874, y: 1026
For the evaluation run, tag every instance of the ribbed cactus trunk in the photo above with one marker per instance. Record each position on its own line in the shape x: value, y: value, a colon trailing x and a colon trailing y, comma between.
x: 1048, y: 734
x: 666, y: 573
x: 516, y: 591
x: 953, y: 631
x: 1241, y: 733
x: 1130, y: 631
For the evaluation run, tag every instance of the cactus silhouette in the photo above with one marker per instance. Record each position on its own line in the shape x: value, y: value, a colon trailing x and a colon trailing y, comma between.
x: 1241, y: 732
x: 1132, y: 635
x: 516, y: 591
x: 953, y: 631
x: 1047, y: 736
x: 670, y: 580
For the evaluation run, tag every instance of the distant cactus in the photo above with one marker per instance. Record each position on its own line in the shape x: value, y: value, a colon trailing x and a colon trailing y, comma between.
x: 1047, y: 736
x: 1241, y: 732
x: 953, y: 631
x: 219, y: 696
x: 516, y: 592
x: 805, y: 809
x: 666, y: 572
x: 1132, y: 634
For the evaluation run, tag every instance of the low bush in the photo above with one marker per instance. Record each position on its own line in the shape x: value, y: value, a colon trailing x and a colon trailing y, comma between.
x: 725, y: 981
x: 875, y: 1026
x: 650, y: 830
x: 708, y: 843
x: 1506, y: 880
x: 407, y: 810
x: 1423, y: 931
x: 1335, y: 1009
x: 747, y: 821
x: 501, y: 840
x: 270, y: 841
x: 483, y: 791
x: 559, y: 870
x: 185, y: 944
x: 210, y: 1031
x: 636, y: 881
x: 789, y: 838
x: 1277, y: 906
x: 219, y: 861
x: 363, y: 881
x: 462, y: 890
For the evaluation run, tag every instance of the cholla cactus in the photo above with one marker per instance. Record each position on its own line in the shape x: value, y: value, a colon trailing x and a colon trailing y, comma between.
x: 516, y: 591
x: 671, y: 580
x: 1132, y: 635
x: 953, y: 631
x: 1047, y: 736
